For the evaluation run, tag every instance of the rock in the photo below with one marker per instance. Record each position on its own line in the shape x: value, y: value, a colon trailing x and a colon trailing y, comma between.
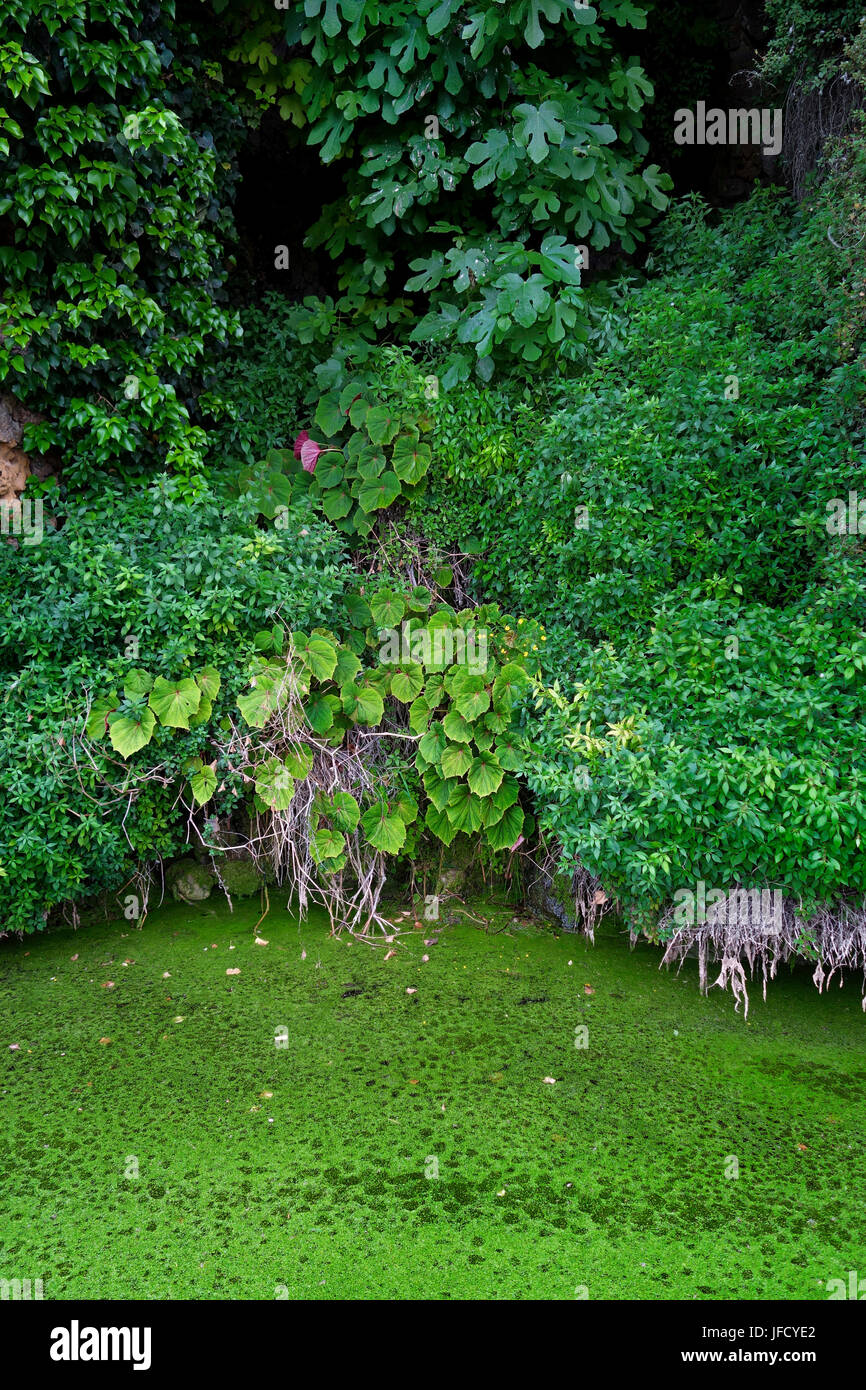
x: 16, y: 466
x: 240, y: 877
x: 189, y: 882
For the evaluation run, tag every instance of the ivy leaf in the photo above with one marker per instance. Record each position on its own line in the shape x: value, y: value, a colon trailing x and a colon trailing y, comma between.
x: 379, y: 492
x: 433, y: 744
x: 174, y: 701
x: 129, y: 732
x: 329, y: 417
x: 275, y: 784
x: 440, y: 824
x: 381, y: 424
x: 319, y: 711
x: 410, y: 459
x: 299, y: 761
x: 485, y: 774
x: 99, y: 712
x: 363, y: 704
x: 208, y: 682
x: 463, y: 809
x: 137, y: 683
x: 341, y: 808
x: 384, y: 832
x: 203, y: 783
x: 456, y: 760
x: 387, y: 608
x: 407, y: 683
x: 504, y: 833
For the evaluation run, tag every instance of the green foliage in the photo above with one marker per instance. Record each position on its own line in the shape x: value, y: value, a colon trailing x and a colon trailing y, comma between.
x: 496, y: 142
x: 665, y: 518
x: 114, y: 196
x: 147, y: 586
x: 806, y: 39
x: 456, y: 680
x: 724, y: 745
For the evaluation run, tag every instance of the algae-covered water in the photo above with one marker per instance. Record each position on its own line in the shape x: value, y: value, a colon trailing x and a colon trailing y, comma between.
x: 159, y: 1144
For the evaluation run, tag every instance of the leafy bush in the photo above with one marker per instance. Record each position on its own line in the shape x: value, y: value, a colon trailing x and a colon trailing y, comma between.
x: 149, y: 578
x: 666, y: 518
x: 113, y: 202
x: 489, y: 147
x: 325, y: 795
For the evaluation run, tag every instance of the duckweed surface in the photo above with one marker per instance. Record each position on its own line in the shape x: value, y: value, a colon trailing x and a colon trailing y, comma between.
x: 160, y: 1144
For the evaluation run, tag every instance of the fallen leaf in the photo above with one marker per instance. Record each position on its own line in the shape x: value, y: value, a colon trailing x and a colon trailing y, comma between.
x: 166, y: 974
x: 599, y: 897
x: 303, y: 955
x: 501, y: 1192
x: 389, y: 954
x: 266, y: 1095
x: 412, y: 1083
x: 236, y: 971
x: 108, y: 984
x: 105, y: 1040
x: 431, y: 940
x: 181, y: 1018
x: 588, y: 989
x: 14, y: 1047
x: 804, y: 1148
x: 410, y: 990
x: 260, y: 941
x: 75, y: 957
x: 425, y: 957
x: 550, y: 1080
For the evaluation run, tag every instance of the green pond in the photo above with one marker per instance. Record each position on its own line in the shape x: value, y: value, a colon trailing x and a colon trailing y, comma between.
x: 160, y: 1144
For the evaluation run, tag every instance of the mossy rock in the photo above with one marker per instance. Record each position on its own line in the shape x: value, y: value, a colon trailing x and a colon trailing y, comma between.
x: 241, y: 878
x: 189, y: 882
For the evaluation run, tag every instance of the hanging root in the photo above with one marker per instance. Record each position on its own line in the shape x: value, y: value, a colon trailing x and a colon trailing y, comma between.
x: 279, y: 839
x: 747, y: 929
x: 591, y: 903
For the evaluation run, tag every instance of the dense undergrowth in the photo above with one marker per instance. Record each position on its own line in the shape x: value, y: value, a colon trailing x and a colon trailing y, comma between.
x: 642, y: 497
